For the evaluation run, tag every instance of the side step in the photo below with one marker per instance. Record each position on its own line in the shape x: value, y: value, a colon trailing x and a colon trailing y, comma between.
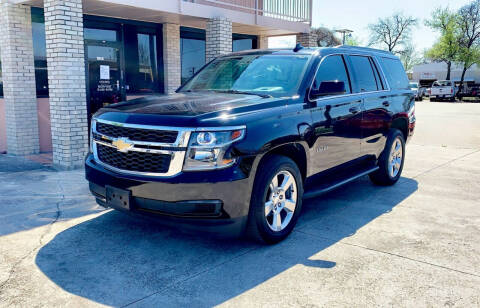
x: 322, y: 187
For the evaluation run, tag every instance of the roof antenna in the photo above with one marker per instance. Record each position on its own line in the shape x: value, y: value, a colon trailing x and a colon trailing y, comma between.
x: 298, y: 47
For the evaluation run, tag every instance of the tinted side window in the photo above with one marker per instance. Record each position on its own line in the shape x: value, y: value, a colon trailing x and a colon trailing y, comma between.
x: 364, y: 76
x: 332, y: 68
x: 379, y: 80
x: 395, y: 74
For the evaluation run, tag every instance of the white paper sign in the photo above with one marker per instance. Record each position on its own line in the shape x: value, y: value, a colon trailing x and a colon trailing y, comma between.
x: 104, y: 72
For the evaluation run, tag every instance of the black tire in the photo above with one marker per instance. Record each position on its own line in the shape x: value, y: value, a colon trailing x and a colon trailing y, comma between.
x: 258, y: 223
x: 383, y: 175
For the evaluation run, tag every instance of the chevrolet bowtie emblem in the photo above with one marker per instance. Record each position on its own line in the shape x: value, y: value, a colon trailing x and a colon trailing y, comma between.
x: 123, y: 145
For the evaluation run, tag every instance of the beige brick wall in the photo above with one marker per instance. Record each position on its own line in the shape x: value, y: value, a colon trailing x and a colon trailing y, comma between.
x: 219, y: 37
x: 263, y: 42
x: 171, y: 57
x: 66, y: 81
x: 307, y: 39
x: 18, y: 79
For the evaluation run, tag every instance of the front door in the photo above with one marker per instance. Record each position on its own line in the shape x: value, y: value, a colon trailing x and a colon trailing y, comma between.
x: 105, y: 77
x: 336, y: 119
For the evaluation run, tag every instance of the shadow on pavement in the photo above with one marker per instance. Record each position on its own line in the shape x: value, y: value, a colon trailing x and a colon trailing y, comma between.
x: 37, y: 198
x: 115, y: 259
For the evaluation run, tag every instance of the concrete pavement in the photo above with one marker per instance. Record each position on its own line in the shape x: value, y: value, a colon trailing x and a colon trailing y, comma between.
x: 413, y: 244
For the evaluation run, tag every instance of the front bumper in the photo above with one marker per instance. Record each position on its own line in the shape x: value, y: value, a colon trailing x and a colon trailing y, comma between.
x: 214, y: 201
x: 440, y: 96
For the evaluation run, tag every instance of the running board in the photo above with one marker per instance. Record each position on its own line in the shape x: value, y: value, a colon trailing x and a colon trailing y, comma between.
x: 326, y: 187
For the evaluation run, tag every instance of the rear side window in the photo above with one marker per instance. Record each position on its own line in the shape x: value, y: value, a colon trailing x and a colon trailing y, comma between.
x: 379, y: 80
x: 363, y: 73
x: 332, y: 68
x: 395, y: 74
x: 442, y: 84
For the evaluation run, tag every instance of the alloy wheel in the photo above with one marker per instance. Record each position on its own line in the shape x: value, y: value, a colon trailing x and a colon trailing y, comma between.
x: 396, y: 156
x: 281, y: 200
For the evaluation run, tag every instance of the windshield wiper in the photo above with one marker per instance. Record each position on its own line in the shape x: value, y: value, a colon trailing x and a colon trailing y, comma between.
x: 243, y: 92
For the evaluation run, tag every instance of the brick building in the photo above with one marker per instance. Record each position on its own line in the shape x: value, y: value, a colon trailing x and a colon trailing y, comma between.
x: 61, y: 60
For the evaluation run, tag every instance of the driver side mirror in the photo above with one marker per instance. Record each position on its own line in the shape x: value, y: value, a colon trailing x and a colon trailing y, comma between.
x: 328, y: 88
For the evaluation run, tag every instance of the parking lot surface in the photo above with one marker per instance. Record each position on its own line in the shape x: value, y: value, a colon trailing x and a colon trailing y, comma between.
x: 414, y: 244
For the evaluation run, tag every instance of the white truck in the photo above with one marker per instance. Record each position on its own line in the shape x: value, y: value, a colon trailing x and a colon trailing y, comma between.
x: 442, y: 90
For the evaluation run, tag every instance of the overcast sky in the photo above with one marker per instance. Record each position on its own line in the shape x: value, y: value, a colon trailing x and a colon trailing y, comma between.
x: 358, y: 14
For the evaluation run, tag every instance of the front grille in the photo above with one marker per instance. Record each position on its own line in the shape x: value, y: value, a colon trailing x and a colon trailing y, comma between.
x: 137, y: 134
x: 133, y: 161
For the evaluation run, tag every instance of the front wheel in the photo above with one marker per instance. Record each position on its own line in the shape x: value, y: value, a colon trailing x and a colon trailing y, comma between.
x: 276, y: 200
x: 391, y: 160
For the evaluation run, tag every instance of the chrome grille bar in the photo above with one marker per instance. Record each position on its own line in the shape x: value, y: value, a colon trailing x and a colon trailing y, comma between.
x: 176, y: 150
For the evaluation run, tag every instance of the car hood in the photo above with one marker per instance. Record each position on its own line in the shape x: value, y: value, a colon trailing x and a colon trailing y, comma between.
x: 184, y: 109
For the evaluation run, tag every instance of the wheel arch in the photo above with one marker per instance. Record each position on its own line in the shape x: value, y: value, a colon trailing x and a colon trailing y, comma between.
x: 295, y: 151
x: 401, y: 123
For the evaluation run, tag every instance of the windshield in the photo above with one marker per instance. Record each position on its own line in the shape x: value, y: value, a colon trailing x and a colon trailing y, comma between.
x: 272, y: 75
x: 413, y: 85
x: 442, y: 84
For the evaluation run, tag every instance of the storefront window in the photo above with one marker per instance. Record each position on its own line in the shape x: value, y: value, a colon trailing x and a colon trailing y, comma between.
x: 147, y: 63
x: 39, y: 52
x: 100, y: 35
x: 192, y: 57
x: 141, y: 60
x: 1, y: 80
x: 192, y: 51
x: 243, y: 42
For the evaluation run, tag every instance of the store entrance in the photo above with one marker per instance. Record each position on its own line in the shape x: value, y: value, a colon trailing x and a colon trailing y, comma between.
x: 105, y: 75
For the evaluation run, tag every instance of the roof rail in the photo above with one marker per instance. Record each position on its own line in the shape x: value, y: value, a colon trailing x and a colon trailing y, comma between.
x: 364, y: 49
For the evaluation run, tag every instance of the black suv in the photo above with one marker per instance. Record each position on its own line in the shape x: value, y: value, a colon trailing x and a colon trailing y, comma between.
x: 253, y: 133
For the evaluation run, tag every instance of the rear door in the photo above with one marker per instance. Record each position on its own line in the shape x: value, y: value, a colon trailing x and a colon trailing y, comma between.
x: 336, y: 118
x: 376, y: 115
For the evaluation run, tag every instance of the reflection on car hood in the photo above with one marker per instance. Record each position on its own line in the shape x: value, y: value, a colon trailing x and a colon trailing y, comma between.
x: 189, y: 104
x: 195, y: 109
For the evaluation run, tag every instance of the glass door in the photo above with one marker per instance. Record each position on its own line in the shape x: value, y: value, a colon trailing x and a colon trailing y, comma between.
x: 105, y: 77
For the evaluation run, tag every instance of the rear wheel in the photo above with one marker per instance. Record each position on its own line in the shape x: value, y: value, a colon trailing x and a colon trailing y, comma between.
x: 391, y: 160
x: 276, y: 200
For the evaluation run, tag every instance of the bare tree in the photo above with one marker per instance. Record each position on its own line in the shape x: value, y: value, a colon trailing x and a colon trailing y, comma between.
x: 409, y: 56
x: 325, y: 37
x: 392, y: 32
x: 468, y: 23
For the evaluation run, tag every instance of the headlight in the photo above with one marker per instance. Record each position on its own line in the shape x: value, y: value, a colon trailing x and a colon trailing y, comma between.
x: 207, y: 149
x: 92, y: 126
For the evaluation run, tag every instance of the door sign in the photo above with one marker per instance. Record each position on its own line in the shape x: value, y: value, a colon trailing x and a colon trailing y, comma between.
x: 104, y: 72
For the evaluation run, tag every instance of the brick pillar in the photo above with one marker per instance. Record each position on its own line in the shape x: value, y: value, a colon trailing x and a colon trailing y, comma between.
x: 18, y: 78
x: 219, y: 37
x: 66, y: 81
x: 171, y: 57
x: 307, y: 39
x: 262, y: 42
